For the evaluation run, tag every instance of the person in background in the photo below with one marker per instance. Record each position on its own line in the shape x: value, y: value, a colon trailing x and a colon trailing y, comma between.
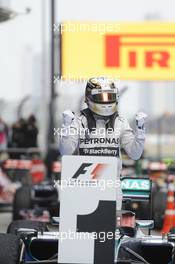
x: 31, y: 132
x: 18, y: 134
x: 3, y: 135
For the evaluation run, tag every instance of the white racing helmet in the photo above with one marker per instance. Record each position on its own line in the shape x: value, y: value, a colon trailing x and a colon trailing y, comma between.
x: 102, y: 96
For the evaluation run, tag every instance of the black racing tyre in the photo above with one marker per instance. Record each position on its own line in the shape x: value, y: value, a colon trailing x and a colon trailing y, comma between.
x: 22, y: 200
x: 9, y: 249
x: 159, y: 200
x: 12, y: 228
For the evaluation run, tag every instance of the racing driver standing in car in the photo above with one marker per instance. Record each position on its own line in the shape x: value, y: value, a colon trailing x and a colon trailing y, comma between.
x: 100, y: 129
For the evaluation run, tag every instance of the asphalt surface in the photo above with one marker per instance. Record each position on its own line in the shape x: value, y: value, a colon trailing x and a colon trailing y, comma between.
x: 5, y: 219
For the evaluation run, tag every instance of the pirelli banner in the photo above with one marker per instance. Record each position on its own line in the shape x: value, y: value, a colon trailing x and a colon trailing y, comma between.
x: 129, y: 51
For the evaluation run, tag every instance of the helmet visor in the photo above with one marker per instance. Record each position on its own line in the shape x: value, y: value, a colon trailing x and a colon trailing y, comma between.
x: 103, y: 98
